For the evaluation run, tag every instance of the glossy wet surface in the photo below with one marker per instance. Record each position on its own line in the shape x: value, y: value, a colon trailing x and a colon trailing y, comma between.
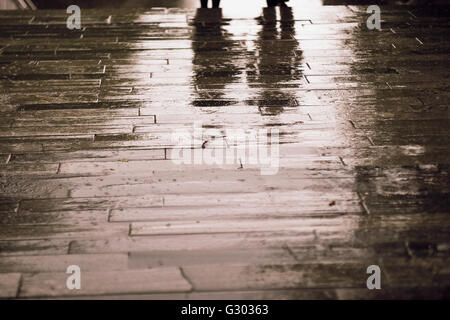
x: 87, y: 175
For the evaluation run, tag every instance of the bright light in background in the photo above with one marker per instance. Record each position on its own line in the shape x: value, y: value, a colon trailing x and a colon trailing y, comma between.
x: 246, y: 8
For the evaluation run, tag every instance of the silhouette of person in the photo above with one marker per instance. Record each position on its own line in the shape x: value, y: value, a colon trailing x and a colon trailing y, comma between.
x: 215, y: 3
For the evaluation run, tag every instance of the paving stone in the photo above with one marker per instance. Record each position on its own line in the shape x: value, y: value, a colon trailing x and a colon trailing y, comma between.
x: 28, y: 169
x: 158, y: 280
x: 251, y: 210
x: 92, y: 203
x: 242, y: 277
x: 150, y: 259
x: 91, y: 155
x: 8, y: 205
x: 9, y: 285
x: 263, y: 225
x: 62, y: 231
x: 193, y: 242
x: 60, y: 263
x: 34, y: 247
x: 197, y: 181
x: 55, y: 217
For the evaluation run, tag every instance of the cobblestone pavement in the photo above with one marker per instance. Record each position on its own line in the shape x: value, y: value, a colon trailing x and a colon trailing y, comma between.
x: 88, y: 175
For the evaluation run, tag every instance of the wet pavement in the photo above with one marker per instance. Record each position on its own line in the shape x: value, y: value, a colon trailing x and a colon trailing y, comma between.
x: 88, y: 175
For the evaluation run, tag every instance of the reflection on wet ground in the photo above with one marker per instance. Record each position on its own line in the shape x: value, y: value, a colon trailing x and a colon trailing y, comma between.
x: 88, y: 176
x: 227, y: 4
x: 215, y: 61
x: 274, y: 60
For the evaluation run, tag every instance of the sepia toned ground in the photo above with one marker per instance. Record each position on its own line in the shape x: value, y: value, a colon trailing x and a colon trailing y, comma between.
x: 88, y: 177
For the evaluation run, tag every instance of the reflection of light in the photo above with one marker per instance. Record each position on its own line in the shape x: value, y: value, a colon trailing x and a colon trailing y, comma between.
x: 160, y: 75
x: 252, y: 8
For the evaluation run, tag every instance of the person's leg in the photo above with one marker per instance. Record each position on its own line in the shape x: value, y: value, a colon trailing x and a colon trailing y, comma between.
x: 216, y: 3
x: 271, y: 3
x: 204, y: 3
